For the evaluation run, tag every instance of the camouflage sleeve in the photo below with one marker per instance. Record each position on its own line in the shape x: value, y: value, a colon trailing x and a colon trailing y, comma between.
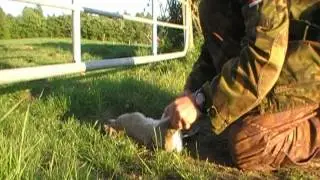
x: 222, y: 41
x: 202, y: 71
x: 245, y: 80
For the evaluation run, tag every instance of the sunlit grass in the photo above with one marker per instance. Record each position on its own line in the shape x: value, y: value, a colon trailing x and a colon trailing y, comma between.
x: 50, y: 129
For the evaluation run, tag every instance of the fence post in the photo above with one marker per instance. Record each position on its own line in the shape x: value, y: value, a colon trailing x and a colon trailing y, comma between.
x: 76, y: 33
x: 189, y: 19
x: 154, y: 28
x: 184, y: 14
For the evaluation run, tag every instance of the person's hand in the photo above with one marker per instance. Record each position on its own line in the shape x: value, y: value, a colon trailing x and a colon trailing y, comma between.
x: 182, y: 112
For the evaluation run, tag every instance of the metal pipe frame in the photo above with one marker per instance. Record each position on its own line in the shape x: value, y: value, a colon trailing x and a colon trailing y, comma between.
x: 154, y: 28
x: 76, y: 34
x: 131, y: 18
x: 48, y: 71
x: 33, y: 73
x: 50, y: 4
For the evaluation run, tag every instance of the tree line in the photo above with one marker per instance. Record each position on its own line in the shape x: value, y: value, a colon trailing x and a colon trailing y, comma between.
x: 32, y: 24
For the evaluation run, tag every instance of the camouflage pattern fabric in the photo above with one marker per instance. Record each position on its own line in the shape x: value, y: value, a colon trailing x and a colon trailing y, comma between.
x: 251, y: 62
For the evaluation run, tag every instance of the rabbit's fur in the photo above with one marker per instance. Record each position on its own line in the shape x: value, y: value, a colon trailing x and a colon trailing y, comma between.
x: 149, y: 132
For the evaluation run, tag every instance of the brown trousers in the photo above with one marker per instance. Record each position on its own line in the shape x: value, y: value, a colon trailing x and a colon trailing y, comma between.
x: 270, y: 141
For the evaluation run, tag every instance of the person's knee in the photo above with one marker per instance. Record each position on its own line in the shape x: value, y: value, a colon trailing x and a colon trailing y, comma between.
x: 247, y: 151
x: 235, y: 145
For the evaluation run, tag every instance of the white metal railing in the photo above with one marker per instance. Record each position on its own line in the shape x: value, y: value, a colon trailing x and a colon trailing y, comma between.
x: 41, y: 72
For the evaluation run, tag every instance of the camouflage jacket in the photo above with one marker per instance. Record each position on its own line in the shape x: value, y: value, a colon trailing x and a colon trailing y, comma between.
x: 275, y: 66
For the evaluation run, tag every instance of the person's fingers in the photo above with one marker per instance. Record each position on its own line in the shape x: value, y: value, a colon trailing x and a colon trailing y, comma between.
x: 173, y: 124
x: 186, y: 125
x: 179, y: 125
x: 173, y: 120
x: 183, y: 114
x: 176, y: 124
x: 176, y: 118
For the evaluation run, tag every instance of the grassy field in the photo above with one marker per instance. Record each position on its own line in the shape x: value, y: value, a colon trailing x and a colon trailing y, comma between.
x: 50, y: 129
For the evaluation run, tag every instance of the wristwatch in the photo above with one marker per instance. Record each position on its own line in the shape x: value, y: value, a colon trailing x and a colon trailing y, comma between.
x: 199, y: 99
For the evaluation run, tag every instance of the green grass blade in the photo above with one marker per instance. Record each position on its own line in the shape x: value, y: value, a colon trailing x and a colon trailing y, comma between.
x: 22, y: 141
x: 145, y: 164
x: 12, y: 109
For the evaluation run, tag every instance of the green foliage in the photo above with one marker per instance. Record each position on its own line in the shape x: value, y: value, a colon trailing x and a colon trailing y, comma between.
x: 4, y: 26
x: 171, y: 39
x: 106, y: 29
x: 59, y: 26
x: 32, y: 23
x: 15, y: 26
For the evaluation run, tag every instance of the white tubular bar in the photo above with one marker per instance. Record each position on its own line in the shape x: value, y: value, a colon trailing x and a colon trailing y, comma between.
x: 92, y: 65
x: 154, y: 28
x: 131, y: 18
x: 184, y: 12
x: 76, y: 34
x: 40, y: 72
x: 51, y: 4
x: 103, y: 13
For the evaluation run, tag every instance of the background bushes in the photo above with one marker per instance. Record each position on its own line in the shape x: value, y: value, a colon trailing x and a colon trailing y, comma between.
x: 32, y: 24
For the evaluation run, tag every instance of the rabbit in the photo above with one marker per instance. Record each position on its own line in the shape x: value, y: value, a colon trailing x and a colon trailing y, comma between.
x: 149, y: 132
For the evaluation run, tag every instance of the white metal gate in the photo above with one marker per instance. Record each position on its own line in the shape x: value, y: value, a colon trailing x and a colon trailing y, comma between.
x: 40, y: 72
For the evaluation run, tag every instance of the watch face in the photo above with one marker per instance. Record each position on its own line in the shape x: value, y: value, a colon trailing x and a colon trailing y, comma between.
x: 200, y: 99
